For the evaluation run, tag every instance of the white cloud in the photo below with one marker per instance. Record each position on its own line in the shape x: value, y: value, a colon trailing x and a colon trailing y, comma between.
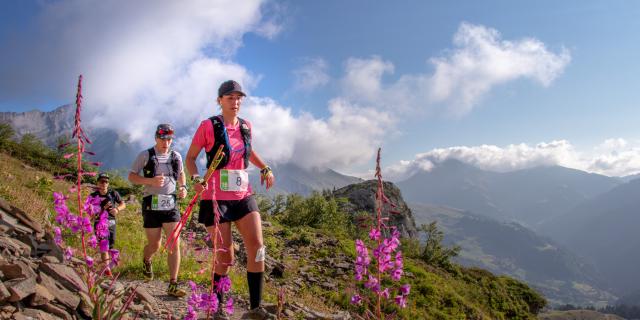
x: 483, y: 60
x: 143, y: 62
x: 312, y: 75
x: 614, y: 157
x: 480, y: 61
x: 348, y: 136
x: 363, y: 78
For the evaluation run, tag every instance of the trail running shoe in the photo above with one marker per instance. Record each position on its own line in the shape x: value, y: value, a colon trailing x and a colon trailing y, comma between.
x: 147, y: 269
x: 221, y: 314
x: 259, y: 313
x: 174, y: 291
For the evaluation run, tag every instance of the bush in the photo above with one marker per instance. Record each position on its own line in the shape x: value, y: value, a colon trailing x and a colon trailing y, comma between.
x: 316, y: 211
x: 433, y: 252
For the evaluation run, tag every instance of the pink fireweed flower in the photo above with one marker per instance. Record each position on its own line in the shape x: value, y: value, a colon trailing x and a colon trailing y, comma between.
x: 115, y: 257
x: 93, y: 241
x: 92, y: 205
x: 384, y: 293
x: 224, y: 285
x: 360, y: 271
x: 104, y: 245
x: 374, y: 234
x: 191, y: 314
x: 89, y: 262
x: 74, y: 223
x: 399, y: 260
x: 102, y: 227
x: 372, y: 284
x: 396, y: 274
x: 401, y: 301
x: 405, y: 289
x: 57, y: 238
x: 68, y: 253
x: 85, y: 224
x: 213, y: 303
x: 228, y: 308
x: 59, y: 198
x: 356, y: 299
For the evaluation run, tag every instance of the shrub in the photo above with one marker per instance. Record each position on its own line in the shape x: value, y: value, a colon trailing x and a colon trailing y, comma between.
x: 316, y: 211
x: 434, y: 252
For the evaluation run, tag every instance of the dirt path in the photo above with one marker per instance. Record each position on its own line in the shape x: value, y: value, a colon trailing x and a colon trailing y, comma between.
x: 168, y: 307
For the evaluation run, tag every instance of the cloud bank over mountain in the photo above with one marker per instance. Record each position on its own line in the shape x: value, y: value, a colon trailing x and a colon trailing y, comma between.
x: 613, y: 157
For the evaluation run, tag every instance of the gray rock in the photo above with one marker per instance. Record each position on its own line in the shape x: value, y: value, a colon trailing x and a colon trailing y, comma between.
x: 40, y: 296
x: 17, y: 270
x: 21, y: 217
x: 143, y: 295
x: 50, y: 259
x: 4, y: 292
x: 62, y: 295
x: 21, y: 288
x: 33, y: 314
x: 15, y: 247
x: 65, y: 275
x: 56, y: 310
x: 361, y: 197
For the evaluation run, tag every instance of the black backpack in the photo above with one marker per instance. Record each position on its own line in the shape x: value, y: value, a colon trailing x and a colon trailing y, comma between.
x: 220, y: 139
x: 149, y: 169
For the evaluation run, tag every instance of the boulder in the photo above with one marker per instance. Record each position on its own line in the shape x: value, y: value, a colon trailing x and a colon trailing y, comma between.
x: 21, y: 216
x: 143, y: 295
x: 21, y: 288
x: 66, y: 275
x: 62, y: 295
x: 31, y: 314
x: 56, y: 310
x: 361, y: 197
x: 15, y: 270
x: 4, y: 292
x: 41, y: 296
x: 14, y: 247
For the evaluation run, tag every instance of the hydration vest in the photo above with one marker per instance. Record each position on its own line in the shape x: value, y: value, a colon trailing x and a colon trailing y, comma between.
x: 221, y: 138
x: 149, y: 170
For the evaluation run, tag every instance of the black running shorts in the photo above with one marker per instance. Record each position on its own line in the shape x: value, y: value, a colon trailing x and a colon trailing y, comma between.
x: 155, y: 218
x: 230, y: 210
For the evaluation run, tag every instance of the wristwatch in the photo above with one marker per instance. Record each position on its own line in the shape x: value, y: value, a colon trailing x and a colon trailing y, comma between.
x: 197, y: 179
x: 185, y: 187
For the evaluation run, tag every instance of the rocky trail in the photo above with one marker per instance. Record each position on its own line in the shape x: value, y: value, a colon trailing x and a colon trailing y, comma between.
x: 35, y: 282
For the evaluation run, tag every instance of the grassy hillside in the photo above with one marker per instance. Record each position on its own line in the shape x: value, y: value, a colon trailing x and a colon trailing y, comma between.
x: 307, y: 252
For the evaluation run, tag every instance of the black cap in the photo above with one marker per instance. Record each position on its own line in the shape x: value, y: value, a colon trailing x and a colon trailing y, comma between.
x: 103, y: 175
x: 164, y: 131
x: 228, y: 87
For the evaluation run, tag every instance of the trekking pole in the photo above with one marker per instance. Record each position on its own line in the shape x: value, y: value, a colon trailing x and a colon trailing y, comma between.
x: 171, y: 241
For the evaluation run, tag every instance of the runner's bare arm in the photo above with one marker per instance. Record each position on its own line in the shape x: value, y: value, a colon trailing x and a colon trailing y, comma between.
x: 257, y: 161
x: 156, y: 181
x: 192, y: 167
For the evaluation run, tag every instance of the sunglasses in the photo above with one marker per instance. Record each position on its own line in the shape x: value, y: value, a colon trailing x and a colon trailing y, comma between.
x: 163, y: 131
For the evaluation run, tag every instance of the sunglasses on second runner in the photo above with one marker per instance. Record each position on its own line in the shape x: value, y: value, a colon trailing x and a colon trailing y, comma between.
x: 164, y: 132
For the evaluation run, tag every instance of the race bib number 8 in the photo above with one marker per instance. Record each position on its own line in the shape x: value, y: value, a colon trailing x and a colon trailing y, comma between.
x: 163, y: 202
x: 234, y: 180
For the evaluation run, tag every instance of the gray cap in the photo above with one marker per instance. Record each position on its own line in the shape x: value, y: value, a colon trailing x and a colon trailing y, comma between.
x: 228, y: 87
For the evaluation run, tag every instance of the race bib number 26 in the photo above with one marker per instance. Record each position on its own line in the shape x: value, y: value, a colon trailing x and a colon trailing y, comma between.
x: 234, y: 180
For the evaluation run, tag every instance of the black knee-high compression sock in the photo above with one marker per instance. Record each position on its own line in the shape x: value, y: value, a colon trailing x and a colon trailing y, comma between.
x: 254, y: 279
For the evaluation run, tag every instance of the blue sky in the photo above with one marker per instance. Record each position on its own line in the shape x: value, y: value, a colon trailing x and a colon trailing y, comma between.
x: 500, y: 84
